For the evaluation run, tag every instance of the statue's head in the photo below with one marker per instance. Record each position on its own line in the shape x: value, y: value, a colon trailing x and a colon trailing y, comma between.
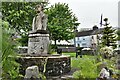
x: 39, y: 8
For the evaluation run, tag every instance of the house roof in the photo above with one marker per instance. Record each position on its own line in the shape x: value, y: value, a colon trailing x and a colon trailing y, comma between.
x: 89, y: 32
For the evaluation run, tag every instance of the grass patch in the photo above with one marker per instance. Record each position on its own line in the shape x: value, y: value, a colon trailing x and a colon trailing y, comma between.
x: 76, y: 61
x: 71, y: 54
x: 87, y: 66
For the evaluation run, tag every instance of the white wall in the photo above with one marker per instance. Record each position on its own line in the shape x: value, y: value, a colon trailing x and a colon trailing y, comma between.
x: 84, y: 41
x: 87, y: 41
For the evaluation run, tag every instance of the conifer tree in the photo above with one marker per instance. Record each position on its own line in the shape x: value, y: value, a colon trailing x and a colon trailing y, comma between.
x: 109, y: 37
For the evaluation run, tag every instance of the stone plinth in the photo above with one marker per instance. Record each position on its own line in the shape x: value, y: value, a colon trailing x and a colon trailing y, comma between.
x: 38, y: 43
x: 56, y: 65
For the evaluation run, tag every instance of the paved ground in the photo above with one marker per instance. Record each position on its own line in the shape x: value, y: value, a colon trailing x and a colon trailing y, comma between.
x: 65, y: 76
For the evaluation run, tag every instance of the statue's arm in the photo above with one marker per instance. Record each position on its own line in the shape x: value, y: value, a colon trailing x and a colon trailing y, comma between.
x: 45, y: 22
x: 33, y: 24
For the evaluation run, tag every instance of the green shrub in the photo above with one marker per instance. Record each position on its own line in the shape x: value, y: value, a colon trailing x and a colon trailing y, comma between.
x: 10, y: 68
x: 87, y: 66
x: 107, y: 52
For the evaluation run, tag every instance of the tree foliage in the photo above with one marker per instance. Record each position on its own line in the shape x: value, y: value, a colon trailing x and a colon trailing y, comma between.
x: 61, y: 22
x: 19, y: 15
x: 109, y: 37
x: 118, y: 33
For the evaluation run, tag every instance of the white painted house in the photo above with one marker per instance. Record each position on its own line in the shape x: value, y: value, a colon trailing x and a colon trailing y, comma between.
x: 88, y: 39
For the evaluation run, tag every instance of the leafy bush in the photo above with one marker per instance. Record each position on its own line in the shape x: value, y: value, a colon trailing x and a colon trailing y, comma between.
x: 87, y: 66
x: 106, y: 52
x: 23, y: 40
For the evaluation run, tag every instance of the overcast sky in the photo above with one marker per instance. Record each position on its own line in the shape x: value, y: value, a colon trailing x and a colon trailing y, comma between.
x: 89, y: 11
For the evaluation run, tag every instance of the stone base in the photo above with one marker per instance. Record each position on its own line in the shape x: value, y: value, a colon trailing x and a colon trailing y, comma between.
x: 38, y: 43
x: 56, y: 65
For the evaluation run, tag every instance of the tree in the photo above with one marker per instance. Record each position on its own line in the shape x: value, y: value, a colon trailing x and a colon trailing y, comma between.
x: 108, y: 38
x: 61, y: 22
x: 20, y: 15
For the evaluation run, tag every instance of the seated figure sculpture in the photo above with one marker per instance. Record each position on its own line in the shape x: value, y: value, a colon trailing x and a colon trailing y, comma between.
x: 40, y: 20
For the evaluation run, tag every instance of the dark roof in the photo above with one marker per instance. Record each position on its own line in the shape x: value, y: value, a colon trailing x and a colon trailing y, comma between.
x: 89, y: 32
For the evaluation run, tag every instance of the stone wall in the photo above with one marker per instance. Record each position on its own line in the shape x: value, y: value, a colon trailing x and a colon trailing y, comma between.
x: 68, y: 49
x: 87, y: 52
x: 56, y: 65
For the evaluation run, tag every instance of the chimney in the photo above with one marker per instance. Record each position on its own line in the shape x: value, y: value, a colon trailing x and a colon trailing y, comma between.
x: 95, y: 27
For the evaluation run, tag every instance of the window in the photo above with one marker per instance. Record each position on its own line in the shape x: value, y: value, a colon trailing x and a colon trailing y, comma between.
x: 92, y: 37
x: 83, y: 44
x: 83, y: 38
